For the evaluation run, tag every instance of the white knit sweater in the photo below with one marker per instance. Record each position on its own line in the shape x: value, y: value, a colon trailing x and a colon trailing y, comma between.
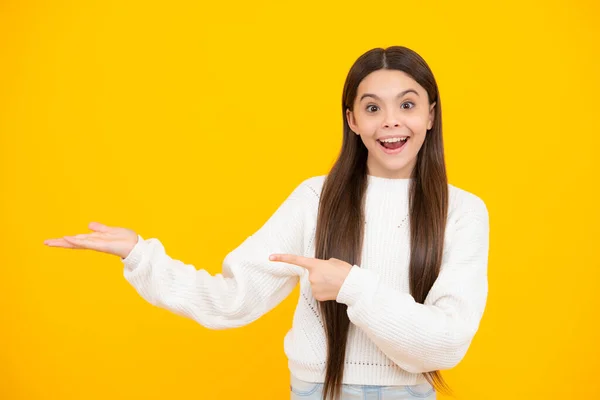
x: 392, y: 338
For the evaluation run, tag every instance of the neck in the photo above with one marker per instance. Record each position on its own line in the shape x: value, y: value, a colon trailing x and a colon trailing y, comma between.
x: 376, y: 177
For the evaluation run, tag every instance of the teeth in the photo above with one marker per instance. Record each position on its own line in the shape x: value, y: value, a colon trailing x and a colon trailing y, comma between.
x: 392, y: 140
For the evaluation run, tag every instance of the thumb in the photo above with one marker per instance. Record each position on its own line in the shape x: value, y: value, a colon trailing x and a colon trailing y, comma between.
x: 98, y: 227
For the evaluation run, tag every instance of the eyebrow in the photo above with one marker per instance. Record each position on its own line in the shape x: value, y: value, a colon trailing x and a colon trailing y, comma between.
x: 399, y: 94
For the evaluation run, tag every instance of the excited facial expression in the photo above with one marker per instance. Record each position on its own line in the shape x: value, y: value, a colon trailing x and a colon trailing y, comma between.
x: 392, y: 115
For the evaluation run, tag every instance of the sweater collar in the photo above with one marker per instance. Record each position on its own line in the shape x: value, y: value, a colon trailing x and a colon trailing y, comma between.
x: 382, y: 185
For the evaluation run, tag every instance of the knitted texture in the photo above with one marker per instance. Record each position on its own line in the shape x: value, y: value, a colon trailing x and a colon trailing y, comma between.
x: 392, y: 338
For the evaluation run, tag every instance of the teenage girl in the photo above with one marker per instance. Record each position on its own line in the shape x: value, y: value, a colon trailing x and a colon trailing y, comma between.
x: 390, y: 257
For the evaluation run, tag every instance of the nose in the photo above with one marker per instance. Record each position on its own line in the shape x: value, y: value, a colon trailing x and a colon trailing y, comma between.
x: 391, y: 120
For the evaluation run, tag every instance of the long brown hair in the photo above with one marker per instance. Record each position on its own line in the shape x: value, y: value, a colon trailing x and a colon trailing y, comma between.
x: 340, y: 221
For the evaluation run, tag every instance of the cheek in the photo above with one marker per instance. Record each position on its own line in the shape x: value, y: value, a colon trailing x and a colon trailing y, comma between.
x: 418, y: 124
x: 367, y: 126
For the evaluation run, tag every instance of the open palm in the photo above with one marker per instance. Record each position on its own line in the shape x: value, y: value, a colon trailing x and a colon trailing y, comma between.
x: 105, y: 239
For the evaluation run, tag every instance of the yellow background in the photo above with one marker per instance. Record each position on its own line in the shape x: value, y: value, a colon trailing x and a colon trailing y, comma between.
x: 192, y: 122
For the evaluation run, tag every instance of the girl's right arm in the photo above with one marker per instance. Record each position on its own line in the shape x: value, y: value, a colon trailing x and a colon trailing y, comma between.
x: 249, y: 286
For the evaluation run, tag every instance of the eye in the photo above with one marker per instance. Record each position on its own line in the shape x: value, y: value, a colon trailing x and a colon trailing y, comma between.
x: 410, y: 105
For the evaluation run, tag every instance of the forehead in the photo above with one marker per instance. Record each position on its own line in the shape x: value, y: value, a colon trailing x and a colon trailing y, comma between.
x: 388, y: 83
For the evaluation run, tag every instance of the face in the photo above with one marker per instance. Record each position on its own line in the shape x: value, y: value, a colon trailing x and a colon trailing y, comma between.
x: 392, y: 115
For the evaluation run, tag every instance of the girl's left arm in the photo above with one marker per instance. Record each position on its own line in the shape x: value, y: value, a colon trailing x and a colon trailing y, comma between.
x: 434, y: 335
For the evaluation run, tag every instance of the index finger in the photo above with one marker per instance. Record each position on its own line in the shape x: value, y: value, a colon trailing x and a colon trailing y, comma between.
x: 304, y: 262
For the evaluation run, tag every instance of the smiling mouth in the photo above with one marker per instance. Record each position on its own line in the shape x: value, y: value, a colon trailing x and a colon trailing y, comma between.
x: 393, y: 145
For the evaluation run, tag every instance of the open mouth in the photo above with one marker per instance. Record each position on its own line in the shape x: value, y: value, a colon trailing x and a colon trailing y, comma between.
x: 393, y: 144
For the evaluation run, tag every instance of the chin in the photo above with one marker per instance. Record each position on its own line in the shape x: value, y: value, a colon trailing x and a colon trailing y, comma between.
x: 396, y: 169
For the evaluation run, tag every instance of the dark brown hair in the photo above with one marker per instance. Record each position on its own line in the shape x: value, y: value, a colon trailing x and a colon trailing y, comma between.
x: 340, y: 221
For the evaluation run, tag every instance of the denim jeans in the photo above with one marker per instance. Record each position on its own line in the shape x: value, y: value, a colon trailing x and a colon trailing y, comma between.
x: 302, y: 390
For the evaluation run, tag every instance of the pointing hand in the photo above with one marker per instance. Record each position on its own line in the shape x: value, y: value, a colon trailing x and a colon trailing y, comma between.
x: 326, y: 276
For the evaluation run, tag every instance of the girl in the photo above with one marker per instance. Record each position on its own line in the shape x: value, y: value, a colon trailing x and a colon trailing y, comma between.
x: 391, y: 258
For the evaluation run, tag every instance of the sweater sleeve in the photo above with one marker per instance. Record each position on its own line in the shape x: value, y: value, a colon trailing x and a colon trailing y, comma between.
x: 249, y: 286
x: 434, y: 335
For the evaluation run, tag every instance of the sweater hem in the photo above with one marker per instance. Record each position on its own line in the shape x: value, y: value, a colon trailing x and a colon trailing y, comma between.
x: 354, y: 374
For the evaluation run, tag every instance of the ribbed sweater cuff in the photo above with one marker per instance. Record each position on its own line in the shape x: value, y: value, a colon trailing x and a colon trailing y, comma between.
x: 357, y: 282
x: 135, y: 255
